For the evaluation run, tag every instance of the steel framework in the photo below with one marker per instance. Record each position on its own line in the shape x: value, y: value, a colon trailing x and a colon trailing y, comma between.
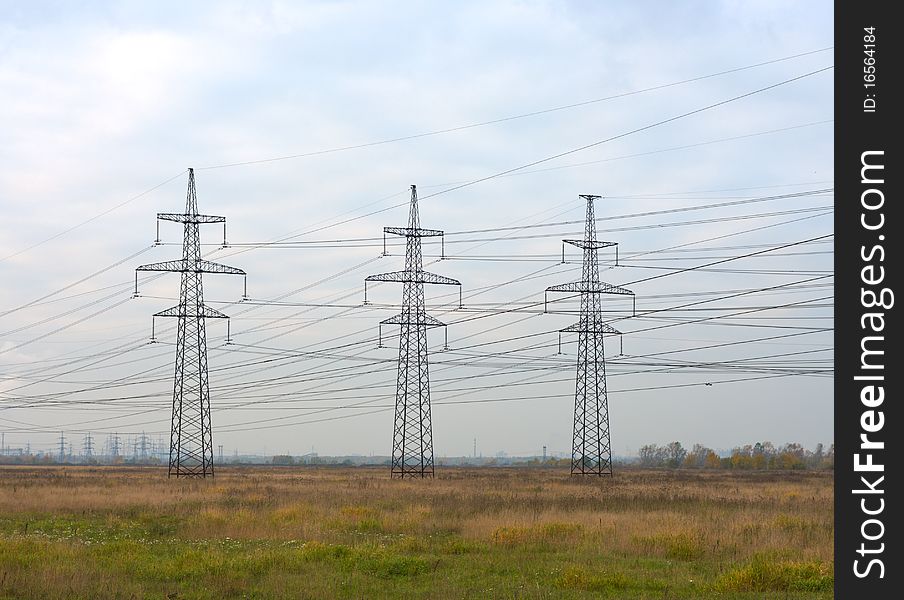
x: 191, y: 439
x: 412, y: 436
x: 591, y: 449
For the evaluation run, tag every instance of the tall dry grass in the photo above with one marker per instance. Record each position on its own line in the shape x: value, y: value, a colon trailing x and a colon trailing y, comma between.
x: 672, y: 525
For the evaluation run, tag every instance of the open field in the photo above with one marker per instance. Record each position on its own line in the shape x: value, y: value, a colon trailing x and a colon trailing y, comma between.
x: 79, y: 532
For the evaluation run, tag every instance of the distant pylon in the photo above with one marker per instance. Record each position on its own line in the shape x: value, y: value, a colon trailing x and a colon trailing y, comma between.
x: 591, y: 448
x: 62, y: 448
x: 191, y: 440
x: 89, y: 447
x: 144, y: 445
x: 412, y: 434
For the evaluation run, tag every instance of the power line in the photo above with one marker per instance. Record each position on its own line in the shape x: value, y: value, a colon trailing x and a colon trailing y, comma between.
x: 514, y: 117
x: 756, y: 309
x: 657, y: 151
x: 75, y: 283
x: 94, y: 218
x: 377, y: 241
x: 630, y: 132
x: 575, y: 150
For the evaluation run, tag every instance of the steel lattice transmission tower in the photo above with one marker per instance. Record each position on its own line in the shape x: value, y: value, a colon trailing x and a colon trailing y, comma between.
x: 591, y: 451
x: 412, y: 435
x: 191, y: 441
x: 89, y: 447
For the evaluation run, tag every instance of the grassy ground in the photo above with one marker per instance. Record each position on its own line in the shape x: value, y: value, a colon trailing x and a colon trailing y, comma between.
x: 353, y: 533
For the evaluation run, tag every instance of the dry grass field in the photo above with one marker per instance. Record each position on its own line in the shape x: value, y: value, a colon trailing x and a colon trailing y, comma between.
x: 78, y: 532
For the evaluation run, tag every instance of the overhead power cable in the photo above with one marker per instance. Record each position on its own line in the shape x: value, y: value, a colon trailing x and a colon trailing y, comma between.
x: 630, y: 132
x: 513, y: 117
x: 378, y: 241
x: 94, y: 218
x: 567, y: 152
x: 75, y: 283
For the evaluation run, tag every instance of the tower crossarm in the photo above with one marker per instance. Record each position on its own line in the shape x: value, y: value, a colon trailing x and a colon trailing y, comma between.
x: 413, y: 232
x: 185, y: 218
x: 206, y: 266
x: 590, y: 287
x: 206, y: 312
x: 191, y: 266
x: 592, y: 244
x: 422, y: 319
x: 584, y: 328
x: 413, y: 277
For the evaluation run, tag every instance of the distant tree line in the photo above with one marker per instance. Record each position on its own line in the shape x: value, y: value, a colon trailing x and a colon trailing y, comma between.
x: 759, y: 456
x: 76, y: 459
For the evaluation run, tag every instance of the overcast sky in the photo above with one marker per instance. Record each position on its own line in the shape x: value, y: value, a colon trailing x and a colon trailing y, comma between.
x: 105, y: 105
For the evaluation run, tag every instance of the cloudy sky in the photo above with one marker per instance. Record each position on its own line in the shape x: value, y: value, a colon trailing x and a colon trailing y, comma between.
x: 306, y: 122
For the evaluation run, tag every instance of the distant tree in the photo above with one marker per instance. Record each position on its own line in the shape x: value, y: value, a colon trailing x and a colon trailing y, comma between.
x: 759, y: 456
x: 791, y: 456
x: 741, y: 458
x: 817, y: 458
x: 794, y: 449
x: 649, y: 455
x: 758, y: 461
x: 712, y: 460
x: 696, y: 458
x: 674, y: 455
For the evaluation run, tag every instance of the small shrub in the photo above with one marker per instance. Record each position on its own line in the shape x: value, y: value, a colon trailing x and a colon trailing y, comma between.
x: 288, y: 515
x: 410, y: 544
x: 677, y: 546
x: 389, y: 567
x: 360, y: 518
x: 511, y: 535
x: 577, y: 578
x: 459, y: 546
x: 315, y: 550
x: 763, y: 575
x: 545, y: 532
x: 794, y: 524
x: 553, y: 531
